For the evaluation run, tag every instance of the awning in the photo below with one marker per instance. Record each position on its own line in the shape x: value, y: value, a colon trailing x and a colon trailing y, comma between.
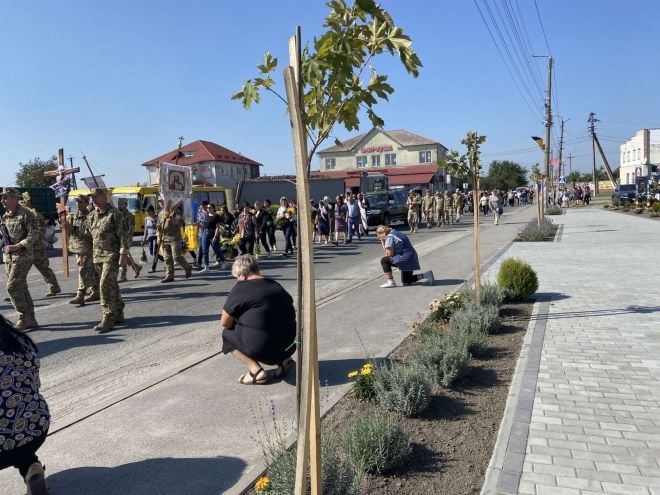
x: 410, y: 179
x: 351, y: 182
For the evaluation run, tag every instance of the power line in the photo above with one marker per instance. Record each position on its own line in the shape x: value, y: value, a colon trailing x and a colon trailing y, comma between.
x: 547, y: 45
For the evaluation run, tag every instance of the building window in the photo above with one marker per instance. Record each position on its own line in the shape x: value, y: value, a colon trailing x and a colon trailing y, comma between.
x: 375, y: 160
x: 628, y: 178
x: 424, y: 157
x: 361, y: 161
x: 330, y: 163
x: 221, y: 169
x: 390, y: 159
x: 628, y: 156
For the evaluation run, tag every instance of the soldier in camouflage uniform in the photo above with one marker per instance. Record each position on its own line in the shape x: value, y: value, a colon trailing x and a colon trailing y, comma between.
x: 428, y: 205
x: 169, y: 237
x: 414, y: 204
x: 110, y: 249
x: 458, y: 204
x: 80, y: 243
x: 21, y: 226
x: 438, y: 209
x: 39, y: 256
x: 449, y: 208
x: 129, y: 225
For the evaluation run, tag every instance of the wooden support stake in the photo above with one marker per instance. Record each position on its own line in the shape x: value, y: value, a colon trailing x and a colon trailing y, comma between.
x: 474, y: 164
x: 309, y: 432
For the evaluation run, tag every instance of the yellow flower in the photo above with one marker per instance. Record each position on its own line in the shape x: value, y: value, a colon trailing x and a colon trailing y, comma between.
x: 262, y: 483
x: 366, y: 371
x: 353, y: 374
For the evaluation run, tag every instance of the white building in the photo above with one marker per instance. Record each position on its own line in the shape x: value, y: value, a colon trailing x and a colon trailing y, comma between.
x: 640, y: 157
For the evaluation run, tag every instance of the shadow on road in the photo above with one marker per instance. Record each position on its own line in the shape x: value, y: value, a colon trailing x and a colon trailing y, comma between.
x: 50, y: 347
x: 165, y: 320
x: 164, y: 476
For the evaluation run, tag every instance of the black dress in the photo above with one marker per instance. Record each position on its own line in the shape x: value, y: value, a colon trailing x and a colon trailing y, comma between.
x: 264, y: 321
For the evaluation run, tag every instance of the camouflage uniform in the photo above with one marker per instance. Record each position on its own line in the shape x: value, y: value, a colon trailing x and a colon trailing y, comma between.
x: 458, y: 205
x: 21, y: 226
x: 129, y: 226
x: 169, y: 234
x: 414, y: 204
x: 439, y: 208
x: 449, y: 209
x: 428, y: 205
x: 80, y: 243
x: 109, y: 241
x: 40, y: 258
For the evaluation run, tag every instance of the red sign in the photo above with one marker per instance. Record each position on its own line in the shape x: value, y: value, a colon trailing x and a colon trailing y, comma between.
x: 376, y: 149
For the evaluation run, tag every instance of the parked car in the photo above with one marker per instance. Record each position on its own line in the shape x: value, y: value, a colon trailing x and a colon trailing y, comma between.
x: 624, y: 194
x: 387, y: 207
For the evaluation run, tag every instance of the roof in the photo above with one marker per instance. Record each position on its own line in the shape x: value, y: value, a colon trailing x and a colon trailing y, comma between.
x: 400, y: 136
x: 202, y: 151
x: 390, y: 171
x: 405, y: 180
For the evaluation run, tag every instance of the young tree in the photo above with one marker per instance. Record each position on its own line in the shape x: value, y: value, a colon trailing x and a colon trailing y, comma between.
x: 456, y: 165
x: 333, y: 70
x: 31, y: 174
x: 574, y: 177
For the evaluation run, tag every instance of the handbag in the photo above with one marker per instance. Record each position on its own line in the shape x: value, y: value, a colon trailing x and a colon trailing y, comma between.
x: 500, y: 210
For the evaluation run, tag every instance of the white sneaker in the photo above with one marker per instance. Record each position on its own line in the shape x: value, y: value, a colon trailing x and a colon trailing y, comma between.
x: 204, y: 269
x: 216, y: 264
x: 388, y: 284
x: 428, y: 276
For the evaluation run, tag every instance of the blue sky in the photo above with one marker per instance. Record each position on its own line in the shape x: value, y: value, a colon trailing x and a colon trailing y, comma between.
x: 121, y: 80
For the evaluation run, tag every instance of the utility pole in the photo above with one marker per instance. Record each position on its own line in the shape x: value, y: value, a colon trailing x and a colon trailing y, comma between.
x: 561, y: 147
x: 548, y: 125
x: 592, y: 122
x: 570, y: 163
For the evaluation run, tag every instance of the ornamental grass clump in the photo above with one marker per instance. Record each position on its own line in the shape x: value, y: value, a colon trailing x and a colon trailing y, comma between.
x: 402, y: 388
x: 518, y: 278
x: 553, y: 210
x: 430, y: 355
x: 492, y: 294
x: 455, y: 360
x: 484, y: 318
x: 376, y: 444
x: 532, y: 232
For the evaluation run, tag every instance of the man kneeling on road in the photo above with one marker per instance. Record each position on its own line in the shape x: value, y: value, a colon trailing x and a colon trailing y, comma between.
x: 399, y: 252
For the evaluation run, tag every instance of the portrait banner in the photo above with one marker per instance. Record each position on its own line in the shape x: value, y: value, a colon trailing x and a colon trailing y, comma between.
x: 176, y: 188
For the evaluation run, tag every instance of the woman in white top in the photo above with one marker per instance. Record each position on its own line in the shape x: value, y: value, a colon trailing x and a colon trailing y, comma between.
x: 495, y: 205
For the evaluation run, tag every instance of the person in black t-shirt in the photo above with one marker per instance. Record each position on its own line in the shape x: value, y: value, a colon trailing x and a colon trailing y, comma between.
x: 259, y: 323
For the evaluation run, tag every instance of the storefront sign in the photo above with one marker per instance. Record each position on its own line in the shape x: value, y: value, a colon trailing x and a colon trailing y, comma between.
x: 376, y: 149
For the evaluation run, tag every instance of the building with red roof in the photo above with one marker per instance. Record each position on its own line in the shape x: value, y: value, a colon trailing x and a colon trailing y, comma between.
x: 212, y: 164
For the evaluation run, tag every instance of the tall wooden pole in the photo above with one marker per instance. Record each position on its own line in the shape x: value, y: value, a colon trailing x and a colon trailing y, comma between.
x: 474, y: 166
x: 548, y: 125
x: 61, y: 213
x: 309, y: 432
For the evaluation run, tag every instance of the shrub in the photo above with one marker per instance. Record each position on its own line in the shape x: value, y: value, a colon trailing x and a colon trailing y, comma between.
x: 363, y: 387
x: 518, y: 278
x: 606, y: 206
x: 455, y: 359
x: 533, y: 232
x: 404, y: 389
x: 430, y: 355
x: 475, y: 341
x: 491, y: 294
x: 339, y: 476
x: 639, y: 210
x: 553, y: 210
x: 484, y: 318
x: 441, y: 309
x: 376, y: 444
x: 428, y: 327
x: 655, y: 207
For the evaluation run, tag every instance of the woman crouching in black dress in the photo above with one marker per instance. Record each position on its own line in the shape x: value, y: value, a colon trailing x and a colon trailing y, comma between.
x: 259, y: 323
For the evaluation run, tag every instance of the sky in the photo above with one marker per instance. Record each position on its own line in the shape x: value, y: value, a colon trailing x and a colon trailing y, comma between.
x: 120, y: 81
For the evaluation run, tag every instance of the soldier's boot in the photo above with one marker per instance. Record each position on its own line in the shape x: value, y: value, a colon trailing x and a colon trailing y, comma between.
x: 119, y: 317
x: 79, y: 299
x: 122, y: 275
x: 53, y: 291
x: 7, y: 299
x: 168, y: 278
x: 95, y: 295
x: 26, y: 322
x: 105, y: 325
x: 188, y: 271
x: 137, y: 269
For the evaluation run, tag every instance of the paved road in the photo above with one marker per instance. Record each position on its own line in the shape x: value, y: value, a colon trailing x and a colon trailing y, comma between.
x: 584, y: 415
x: 153, y: 408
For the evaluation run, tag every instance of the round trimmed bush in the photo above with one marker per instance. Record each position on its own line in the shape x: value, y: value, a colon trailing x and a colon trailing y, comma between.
x: 376, y: 443
x: 518, y: 278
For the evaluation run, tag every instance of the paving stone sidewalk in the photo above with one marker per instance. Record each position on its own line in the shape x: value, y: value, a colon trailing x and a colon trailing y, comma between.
x: 583, y: 415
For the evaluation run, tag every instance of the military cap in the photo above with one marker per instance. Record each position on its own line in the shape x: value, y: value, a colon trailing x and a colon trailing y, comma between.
x: 99, y: 191
x: 82, y: 197
x: 10, y: 191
